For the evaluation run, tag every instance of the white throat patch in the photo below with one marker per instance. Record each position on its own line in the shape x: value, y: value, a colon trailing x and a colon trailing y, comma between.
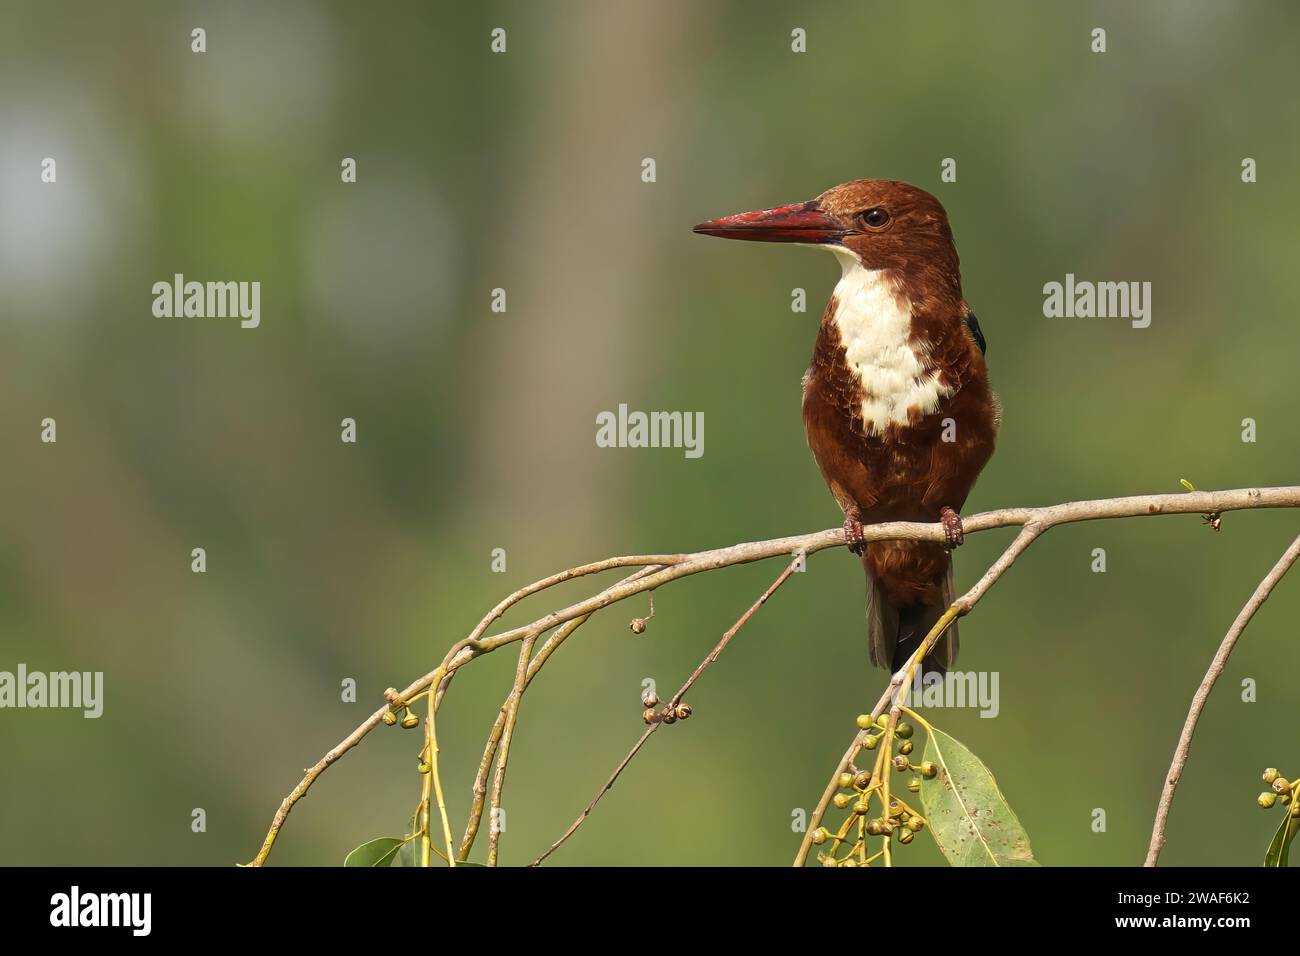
x: 874, y: 323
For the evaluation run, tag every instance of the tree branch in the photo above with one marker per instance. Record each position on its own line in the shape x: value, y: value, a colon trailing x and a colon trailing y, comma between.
x: 1262, y: 591
x: 658, y: 570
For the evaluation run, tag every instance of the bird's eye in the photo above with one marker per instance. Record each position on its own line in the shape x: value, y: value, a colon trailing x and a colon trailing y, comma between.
x: 875, y: 217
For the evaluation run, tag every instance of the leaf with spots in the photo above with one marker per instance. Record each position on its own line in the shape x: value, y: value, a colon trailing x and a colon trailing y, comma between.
x: 966, y: 812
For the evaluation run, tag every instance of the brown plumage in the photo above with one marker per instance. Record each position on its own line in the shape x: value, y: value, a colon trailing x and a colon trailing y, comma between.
x: 896, y: 403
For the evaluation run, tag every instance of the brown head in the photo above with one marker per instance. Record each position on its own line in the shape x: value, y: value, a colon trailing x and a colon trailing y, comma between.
x: 884, y: 223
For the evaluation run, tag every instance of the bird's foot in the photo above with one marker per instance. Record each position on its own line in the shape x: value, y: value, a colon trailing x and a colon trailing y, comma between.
x: 952, y: 530
x: 853, y: 531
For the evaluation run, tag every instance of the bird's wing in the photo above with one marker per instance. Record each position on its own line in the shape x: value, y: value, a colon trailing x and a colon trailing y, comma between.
x: 973, y: 324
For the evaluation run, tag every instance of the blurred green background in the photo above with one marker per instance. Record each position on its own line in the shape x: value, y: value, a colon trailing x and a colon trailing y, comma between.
x: 476, y: 430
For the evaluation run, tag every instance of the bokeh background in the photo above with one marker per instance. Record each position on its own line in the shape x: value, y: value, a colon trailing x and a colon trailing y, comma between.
x: 476, y: 430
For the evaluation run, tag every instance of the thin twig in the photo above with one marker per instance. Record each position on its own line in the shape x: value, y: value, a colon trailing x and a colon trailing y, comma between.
x: 549, y: 646
x: 432, y: 757
x: 675, y: 566
x: 672, y: 704
x: 1262, y: 591
x: 503, y: 751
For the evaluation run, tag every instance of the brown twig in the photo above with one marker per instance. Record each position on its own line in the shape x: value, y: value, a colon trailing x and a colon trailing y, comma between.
x: 663, y: 568
x: 503, y: 751
x: 672, y: 705
x: 1262, y: 591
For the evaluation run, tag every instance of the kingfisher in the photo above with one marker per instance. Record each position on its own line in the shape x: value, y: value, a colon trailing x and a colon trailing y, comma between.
x: 897, y: 405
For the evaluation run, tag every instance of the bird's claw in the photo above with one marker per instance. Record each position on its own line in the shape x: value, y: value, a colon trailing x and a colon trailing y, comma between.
x: 952, y: 529
x: 853, y: 532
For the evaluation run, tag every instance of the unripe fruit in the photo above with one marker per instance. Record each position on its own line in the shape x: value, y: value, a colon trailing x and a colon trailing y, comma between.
x: 422, y: 767
x: 904, y: 730
x: 871, y: 743
x: 846, y: 780
x: 905, y: 747
x: 882, y: 721
x: 862, y: 808
x: 1270, y: 774
x: 929, y: 770
x: 906, y: 836
x: 820, y: 835
x: 916, y: 824
x: 864, y: 721
x: 841, y: 800
x: 901, y: 762
x: 862, y: 780
x: 410, y: 721
x: 914, y: 785
x: 875, y: 827
x: 1267, y: 799
x: 1281, y: 785
x: 390, y: 718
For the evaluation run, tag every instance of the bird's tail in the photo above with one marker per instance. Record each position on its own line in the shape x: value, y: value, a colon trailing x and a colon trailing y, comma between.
x: 895, y: 633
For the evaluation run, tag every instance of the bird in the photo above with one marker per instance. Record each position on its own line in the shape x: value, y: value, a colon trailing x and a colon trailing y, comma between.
x: 897, y: 406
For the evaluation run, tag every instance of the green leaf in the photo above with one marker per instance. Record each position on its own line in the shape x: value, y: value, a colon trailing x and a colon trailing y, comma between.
x: 375, y: 853
x: 1280, y: 846
x: 966, y: 811
x: 409, y: 854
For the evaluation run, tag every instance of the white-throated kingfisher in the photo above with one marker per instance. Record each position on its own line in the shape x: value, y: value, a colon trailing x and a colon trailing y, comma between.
x: 896, y: 403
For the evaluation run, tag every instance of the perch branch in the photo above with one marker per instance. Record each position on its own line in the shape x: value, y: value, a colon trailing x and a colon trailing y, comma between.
x: 1262, y: 591
x: 658, y: 570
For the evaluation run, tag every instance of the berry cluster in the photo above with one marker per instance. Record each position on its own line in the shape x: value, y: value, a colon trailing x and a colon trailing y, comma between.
x: 891, y: 818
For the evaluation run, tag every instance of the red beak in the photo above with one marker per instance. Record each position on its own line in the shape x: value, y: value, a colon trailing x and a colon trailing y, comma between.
x: 801, y: 222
